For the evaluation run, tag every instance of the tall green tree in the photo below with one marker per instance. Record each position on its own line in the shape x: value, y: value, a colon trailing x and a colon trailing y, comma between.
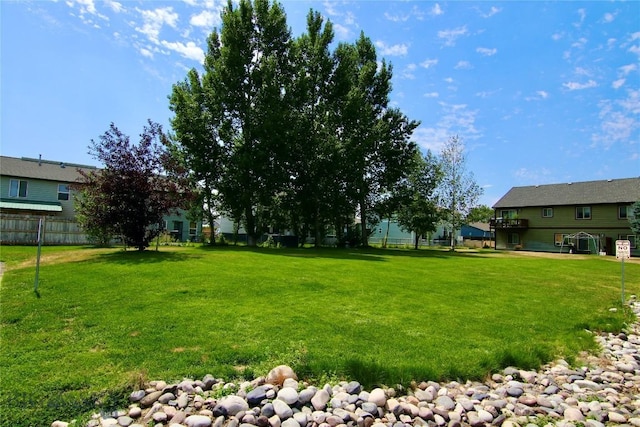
x: 248, y: 66
x: 419, y: 210
x: 311, y: 138
x: 196, y: 141
x: 139, y: 184
x: 374, y: 137
x: 634, y: 218
x: 459, y: 192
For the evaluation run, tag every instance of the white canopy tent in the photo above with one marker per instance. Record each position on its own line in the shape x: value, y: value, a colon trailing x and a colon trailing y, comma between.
x: 581, y: 241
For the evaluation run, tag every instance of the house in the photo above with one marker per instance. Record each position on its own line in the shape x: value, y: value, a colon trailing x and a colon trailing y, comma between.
x: 580, y: 216
x: 34, y: 188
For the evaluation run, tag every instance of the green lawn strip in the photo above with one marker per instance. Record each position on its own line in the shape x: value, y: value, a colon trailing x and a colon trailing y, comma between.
x: 108, y: 318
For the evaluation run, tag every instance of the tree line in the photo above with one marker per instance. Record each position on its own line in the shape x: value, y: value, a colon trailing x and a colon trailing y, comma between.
x: 298, y: 133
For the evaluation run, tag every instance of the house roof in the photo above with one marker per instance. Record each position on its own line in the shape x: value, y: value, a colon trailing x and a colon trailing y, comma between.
x: 626, y: 190
x: 41, y: 169
x: 482, y: 226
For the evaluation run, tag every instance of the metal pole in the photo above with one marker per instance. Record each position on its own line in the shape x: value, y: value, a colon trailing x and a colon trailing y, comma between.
x: 622, y: 280
x: 40, y: 224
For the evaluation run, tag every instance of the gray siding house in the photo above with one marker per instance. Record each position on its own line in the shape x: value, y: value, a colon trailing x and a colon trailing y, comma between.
x: 585, y: 217
x: 33, y: 188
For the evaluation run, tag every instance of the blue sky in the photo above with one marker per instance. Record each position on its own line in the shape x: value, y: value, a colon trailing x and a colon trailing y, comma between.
x: 540, y: 92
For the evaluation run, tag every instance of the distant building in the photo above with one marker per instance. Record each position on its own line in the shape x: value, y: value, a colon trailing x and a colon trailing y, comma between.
x: 583, y: 217
x: 33, y: 188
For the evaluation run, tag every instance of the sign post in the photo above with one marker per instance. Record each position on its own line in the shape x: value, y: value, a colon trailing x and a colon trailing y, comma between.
x: 623, y: 251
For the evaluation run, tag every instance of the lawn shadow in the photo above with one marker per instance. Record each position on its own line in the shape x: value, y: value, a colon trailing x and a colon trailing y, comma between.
x: 146, y: 257
x: 361, y: 254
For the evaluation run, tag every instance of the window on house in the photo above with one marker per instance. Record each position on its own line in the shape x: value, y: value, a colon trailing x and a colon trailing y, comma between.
x: 192, y: 230
x: 583, y: 212
x: 560, y: 239
x: 509, y: 213
x: 547, y: 212
x: 623, y: 212
x: 513, y: 238
x: 63, y: 192
x: 17, y: 188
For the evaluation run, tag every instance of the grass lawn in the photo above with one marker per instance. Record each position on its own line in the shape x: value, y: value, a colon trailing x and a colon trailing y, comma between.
x: 106, y: 319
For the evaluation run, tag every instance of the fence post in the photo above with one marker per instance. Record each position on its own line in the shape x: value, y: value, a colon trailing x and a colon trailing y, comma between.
x: 40, y: 237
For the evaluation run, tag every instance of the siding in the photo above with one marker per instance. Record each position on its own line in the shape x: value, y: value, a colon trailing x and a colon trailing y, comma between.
x: 540, y: 236
x: 40, y: 191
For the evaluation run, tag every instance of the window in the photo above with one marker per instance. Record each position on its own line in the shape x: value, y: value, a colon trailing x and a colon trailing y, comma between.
x: 63, y: 192
x: 513, y: 238
x: 623, y: 212
x: 17, y: 188
x: 583, y: 212
x: 547, y: 212
x: 560, y: 239
x: 192, y: 230
x: 509, y: 213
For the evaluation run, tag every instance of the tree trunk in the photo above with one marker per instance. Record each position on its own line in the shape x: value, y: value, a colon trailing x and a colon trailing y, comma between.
x: 417, y: 237
x: 363, y: 223
x: 386, y: 235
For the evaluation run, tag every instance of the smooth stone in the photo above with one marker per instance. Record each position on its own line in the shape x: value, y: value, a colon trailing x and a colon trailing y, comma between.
x: 320, y: 399
x: 125, y: 421
x: 290, y: 422
x: 378, y: 396
x: 137, y: 396
x: 150, y: 399
x: 288, y: 395
x: 616, y: 417
x: 445, y: 402
x: 234, y: 404
x: 197, y: 421
x: 573, y: 414
x: 282, y: 409
x: 257, y: 395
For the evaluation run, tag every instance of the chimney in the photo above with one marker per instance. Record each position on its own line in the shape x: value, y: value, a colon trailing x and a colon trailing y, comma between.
x: 39, y: 159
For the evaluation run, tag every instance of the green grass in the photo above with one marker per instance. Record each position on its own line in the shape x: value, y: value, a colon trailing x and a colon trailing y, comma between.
x: 106, y: 319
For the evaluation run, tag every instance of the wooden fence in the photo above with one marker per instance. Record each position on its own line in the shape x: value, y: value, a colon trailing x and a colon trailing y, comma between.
x: 23, y: 230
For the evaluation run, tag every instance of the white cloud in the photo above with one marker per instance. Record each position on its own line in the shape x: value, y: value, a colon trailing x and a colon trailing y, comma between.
x: 341, y: 31
x: 617, y: 84
x: 540, y: 96
x: 428, y: 63
x: 619, y: 121
x: 436, y: 10
x: 582, y: 41
x: 557, y: 36
x: 206, y: 19
x: 491, y: 12
x: 635, y: 49
x: 397, y: 18
x: 431, y: 95
x: 395, y: 50
x: 582, y: 72
x: 189, y: 50
x: 532, y: 175
x: 582, y: 14
x: 454, y: 119
x: 609, y: 17
x: 450, y: 36
x: 154, y: 20
x: 580, y: 86
x: 463, y: 65
x: 114, y: 5
x: 626, y: 69
x: 408, y: 72
x: 146, y: 52
x: 486, y: 51
x: 448, y: 80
